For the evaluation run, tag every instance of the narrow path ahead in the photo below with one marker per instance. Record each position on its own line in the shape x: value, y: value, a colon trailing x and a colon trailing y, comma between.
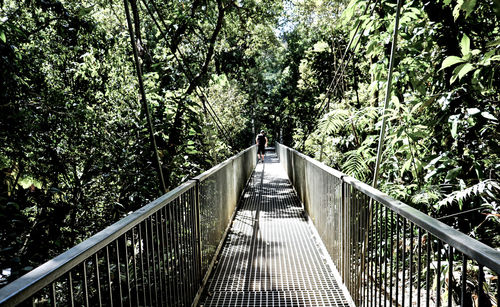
x: 272, y: 256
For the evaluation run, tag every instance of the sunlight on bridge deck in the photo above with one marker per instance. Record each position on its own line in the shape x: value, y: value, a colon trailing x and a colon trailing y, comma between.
x: 272, y: 255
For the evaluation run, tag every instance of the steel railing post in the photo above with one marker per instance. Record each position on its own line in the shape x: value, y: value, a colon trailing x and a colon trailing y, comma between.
x: 198, y: 230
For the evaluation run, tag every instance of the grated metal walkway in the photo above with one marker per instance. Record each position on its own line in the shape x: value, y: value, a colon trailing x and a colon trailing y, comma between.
x: 272, y: 256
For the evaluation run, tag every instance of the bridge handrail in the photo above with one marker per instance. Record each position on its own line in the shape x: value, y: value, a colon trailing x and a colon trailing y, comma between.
x: 471, y: 247
x: 48, y: 273
x: 366, y: 231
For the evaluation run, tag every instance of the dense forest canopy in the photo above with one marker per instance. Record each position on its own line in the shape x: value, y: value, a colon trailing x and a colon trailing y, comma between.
x: 77, y: 153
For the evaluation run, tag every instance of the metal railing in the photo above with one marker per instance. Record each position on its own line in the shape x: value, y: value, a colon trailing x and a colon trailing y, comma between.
x: 387, y: 253
x: 157, y: 256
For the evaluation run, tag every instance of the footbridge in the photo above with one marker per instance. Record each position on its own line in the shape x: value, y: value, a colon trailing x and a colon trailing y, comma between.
x: 287, y: 232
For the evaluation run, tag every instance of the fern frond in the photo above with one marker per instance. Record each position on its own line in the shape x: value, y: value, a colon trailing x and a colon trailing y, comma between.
x: 486, y: 189
x: 427, y: 196
x: 333, y: 121
x: 355, y: 165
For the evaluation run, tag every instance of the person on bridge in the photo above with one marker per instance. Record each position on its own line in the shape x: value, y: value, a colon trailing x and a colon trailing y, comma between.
x: 261, y: 141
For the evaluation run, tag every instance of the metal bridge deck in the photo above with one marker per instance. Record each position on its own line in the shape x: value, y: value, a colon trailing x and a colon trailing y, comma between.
x: 272, y: 255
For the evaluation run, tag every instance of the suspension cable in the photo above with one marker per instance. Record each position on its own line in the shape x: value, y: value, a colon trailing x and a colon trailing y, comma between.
x: 387, y: 94
x: 382, y: 134
x: 143, y: 96
x: 343, y: 64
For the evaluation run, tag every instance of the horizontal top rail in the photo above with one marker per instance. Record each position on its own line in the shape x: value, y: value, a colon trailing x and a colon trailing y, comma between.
x: 43, y: 275
x: 471, y: 247
x: 40, y: 277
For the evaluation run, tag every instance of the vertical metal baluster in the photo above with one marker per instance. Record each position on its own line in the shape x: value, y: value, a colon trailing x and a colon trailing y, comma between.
x: 438, y: 274
x: 191, y: 240
x: 370, y: 257
x: 386, y: 253
x: 381, y: 243
x: 187, y: 252
x: 357, y: 250
x: 198, y: 230
x: 403, y: 256
x: 177, y: 254
x: 464, y: 280
x: 410, y: 264
x: 397, y: 259
x: 141, y: 255
x: 427, y: 273
x: 159, y: 257
x: 164, y: 299
x: 153, y: 260
x: 53, y: 294
x: 351, y: 242
x: 169, y: 292
x: 85, y: 286
x: 173, y: 254
x: 127, y: 269
x: 391, y: 261
x: 450, y: 275
x: 182, y: 231
x: 110, y: 288
x: 97, y: 278
x: 376, y: 254
x: 70, y: 287
x: 498, y: 289
x: 342, y: 219
x: 181, y: 248
x: 118, y: 272
x: 480, y: 284
x: 344, y: 233
x: 194, y: 212
x: 419, y: 265
x: 361, y: 239
x: 148, y: 263
x: 348, y: 241
x: 340, y: 227
x: 186, y: 248
x: 362, y: 232
x: 365, y: 255
x: 134, y: 259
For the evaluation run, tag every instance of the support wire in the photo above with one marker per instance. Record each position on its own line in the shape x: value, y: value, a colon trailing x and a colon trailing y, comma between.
x: 143, y: 96
x: 382, y: 133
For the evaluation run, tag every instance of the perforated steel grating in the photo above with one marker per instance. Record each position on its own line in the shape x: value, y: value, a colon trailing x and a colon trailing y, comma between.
x: 271, y: 256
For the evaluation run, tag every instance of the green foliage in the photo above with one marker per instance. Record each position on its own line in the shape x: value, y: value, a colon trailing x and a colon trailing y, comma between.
x: 442, y: 132
x: 76, y: 153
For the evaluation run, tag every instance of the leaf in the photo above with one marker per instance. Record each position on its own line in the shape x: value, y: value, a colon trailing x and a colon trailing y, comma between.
x: 454, y: 128
x: 320, y: 46
x: 455, y: 73
x: 465, y: 45
x: 473, y: 111
x: 464, y: 5
x: 453, y: 173
x: 85, y: 11
x: 495, y: 58
x: 450, y: 61
x: 468, y: 7
x: 493, y: 43
x: 2, y: 36
x: 488, y: 116
x: 466, y: 68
